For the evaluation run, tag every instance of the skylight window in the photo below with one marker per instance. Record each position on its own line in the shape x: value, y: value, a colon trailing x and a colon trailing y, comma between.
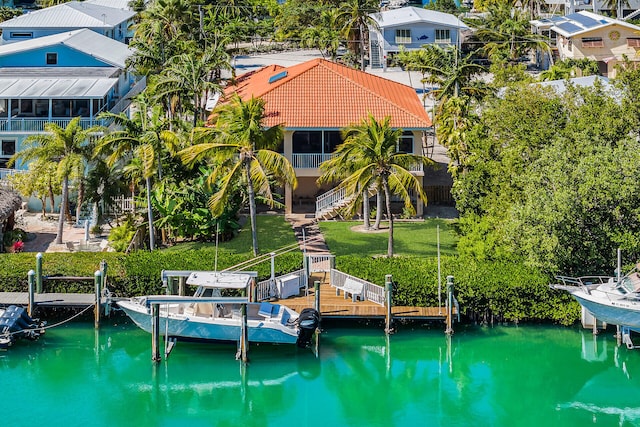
x: 276, y: 77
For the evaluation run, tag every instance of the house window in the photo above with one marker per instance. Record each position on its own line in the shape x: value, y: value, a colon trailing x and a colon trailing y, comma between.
x: 403, y: 36
x: 8, y: 147
x: 21, y: 35
x: 405, y: 143
x: 331, y: 141
x: 4, y: 111
x: 52, y: 58
x: 307, y: 142
x: 592, y: 42
x: 443, y: 36
x: 633, y: 41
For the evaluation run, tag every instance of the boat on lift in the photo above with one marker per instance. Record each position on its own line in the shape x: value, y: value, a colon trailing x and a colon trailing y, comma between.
x: 213, y: 319
x: 614, y: 300
x: 15, y: 324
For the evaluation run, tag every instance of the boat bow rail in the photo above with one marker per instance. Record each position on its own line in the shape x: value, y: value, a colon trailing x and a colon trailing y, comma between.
x: 176, y: 299
x: 585, y: 282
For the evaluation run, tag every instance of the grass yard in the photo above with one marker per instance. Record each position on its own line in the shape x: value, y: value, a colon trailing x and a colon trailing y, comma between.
x: 410, y: 238
x: 273, y: 233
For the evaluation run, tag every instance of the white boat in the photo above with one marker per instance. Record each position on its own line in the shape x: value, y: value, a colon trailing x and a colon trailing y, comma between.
x: 610, y: 299
x: 213, y: 319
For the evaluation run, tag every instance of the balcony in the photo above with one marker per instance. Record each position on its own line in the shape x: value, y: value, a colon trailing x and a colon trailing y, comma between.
x: 27, y: 124
x: 309, y: 160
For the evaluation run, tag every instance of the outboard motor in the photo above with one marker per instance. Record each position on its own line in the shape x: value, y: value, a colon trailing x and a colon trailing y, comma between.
x: 307, y: 323
x: 16, y: 323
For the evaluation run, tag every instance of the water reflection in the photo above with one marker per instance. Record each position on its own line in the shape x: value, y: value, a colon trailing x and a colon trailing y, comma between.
x: 611, y: 394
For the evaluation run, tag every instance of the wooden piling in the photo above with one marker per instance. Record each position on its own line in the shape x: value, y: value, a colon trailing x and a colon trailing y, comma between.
x: 388, y: 290
x: 98, y: 284
x: 31, y: 276
x: 39, y: 272
x: 244, y: 336
x: 449, y: 329
x: 155, y: 333
x: 182, y: 281
x: 316, y: 293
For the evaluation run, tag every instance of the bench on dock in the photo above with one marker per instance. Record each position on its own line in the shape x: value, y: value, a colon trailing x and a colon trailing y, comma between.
x: 353, y: 287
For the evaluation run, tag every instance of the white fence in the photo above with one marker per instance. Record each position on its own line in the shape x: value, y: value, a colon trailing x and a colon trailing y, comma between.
x: 267, y: 289
x: 309, y: 160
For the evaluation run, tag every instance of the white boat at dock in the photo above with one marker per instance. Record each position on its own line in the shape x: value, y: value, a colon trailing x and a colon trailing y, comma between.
x: 614, y: 300
x: 218, y: 318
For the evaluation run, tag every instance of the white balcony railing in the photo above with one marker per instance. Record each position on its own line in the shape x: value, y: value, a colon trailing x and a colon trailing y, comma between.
x: 27, y: 124
x: 309, y: 160
x: 4, y: 172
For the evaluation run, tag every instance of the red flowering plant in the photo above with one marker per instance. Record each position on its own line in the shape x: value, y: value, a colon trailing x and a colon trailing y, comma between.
x: 18, y: 246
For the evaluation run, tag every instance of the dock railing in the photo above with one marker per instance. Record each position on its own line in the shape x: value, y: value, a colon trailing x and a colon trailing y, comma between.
x: 267, y: 289
x: 372, y: 292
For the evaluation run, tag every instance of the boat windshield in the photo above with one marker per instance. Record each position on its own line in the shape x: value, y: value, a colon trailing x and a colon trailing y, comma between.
x: 203, y: 292
x: 631, y: 283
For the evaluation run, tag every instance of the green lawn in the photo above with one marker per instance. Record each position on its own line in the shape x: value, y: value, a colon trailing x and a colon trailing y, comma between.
x: 410, y: 238
x: 273, y: 233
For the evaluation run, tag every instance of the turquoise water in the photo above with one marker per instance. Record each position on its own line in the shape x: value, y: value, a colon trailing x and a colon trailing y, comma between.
x: 500, y: 376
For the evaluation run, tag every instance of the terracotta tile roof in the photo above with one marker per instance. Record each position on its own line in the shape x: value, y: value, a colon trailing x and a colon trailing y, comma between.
x: 324, y: 94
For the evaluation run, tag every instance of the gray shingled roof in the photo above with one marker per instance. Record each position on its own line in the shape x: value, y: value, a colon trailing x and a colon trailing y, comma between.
x: 71, y: 15
x: 410, y: 15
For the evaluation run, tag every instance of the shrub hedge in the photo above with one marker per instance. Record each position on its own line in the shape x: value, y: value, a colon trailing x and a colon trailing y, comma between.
x: 486, y: 291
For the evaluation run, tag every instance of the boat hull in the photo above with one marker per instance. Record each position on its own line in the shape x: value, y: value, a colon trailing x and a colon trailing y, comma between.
x: 621, y: 312
x: 210, y: 329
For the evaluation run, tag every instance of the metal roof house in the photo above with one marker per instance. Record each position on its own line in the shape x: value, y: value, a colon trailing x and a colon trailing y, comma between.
x: 410, y: 28
x: 56, y: 78
x: 314, y: 100
x: 110, y: 22
x: 589, y: 35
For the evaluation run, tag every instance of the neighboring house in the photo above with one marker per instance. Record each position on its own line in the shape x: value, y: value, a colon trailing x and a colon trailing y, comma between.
x: 59, y: 77
x: 410, y: 28
x: 110, y: 22
x: 588, y: 35
x: 315, y: 100
x: 624, y: 9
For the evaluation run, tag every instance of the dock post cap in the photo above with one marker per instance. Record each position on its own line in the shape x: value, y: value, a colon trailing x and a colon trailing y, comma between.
x: 31, y: 273
x: 97, y: 273
x: 39, y: 255
x: 449, y: 278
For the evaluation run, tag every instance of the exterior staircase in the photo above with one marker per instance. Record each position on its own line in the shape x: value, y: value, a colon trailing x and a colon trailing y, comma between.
x: 328, y: 205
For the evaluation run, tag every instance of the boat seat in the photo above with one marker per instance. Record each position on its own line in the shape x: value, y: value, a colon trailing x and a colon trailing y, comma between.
x: 204, y: 309
x: 267, y: 310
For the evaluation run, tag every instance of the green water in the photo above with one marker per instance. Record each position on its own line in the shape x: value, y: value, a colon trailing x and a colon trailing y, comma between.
x: 500, y: 376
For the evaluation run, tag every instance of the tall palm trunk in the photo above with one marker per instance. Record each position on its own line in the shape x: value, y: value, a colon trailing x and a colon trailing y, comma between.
x: 152, y: 236
x: 252, y: 208
x: 387, y: 195
x: 366, y: 211
x: 63, y: 204
x: 376, y: 225
x: 81, y: 190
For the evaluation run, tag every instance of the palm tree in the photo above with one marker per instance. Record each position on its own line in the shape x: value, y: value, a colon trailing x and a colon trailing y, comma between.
x: 371, y: 150
x: 354, y: 18
x: 67, y: 147
x: 144, y: 136
x: 241, y: 148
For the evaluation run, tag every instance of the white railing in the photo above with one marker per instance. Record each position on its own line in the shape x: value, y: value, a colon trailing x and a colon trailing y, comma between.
x: 126, y: 100
x: 267, y: 289
x: 329, y: 199
x: 371, y: 292
x: 121, y: 205
x: 27, y: 124
x: 322, y: 263
x: 416, y: 168
x: 4, y: 172
x: 309, y: 160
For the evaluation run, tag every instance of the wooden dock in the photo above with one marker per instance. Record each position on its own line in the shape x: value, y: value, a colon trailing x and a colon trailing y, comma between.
x: 336, y: 306
x: 47, y: 299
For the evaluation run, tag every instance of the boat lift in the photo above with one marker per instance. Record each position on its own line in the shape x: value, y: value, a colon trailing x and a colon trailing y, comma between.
x: 155, y: 301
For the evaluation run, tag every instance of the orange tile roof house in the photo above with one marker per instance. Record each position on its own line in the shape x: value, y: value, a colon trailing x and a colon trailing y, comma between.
x: 314, y: 100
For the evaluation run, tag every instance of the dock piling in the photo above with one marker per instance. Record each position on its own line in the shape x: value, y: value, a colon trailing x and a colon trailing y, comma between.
x: 316, y: 294
x: 32, y: 282
x: 155, y: 333
x: 39, y: 272
x: 449, y: 329
x: 98, y: 283
x: 388, y: 290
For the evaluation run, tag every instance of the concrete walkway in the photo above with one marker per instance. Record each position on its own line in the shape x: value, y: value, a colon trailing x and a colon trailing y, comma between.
x: 42, y: 234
